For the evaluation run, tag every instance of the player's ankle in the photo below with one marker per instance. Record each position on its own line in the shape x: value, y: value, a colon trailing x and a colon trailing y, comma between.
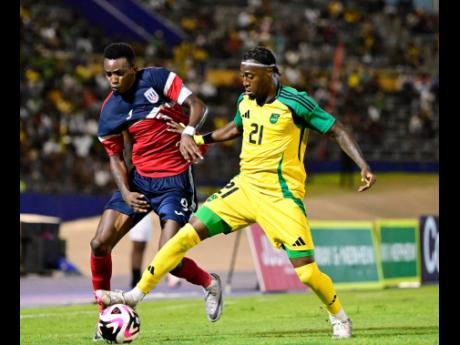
x: 341, y: 315
x: 135, y: 295
x: 208, y: 282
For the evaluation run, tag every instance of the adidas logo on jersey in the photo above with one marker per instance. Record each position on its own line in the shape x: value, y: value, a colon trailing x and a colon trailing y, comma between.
x: 246, y: 115
x: 298, y: 242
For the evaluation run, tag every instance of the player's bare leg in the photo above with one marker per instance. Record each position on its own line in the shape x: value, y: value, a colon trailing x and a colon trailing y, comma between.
x: 112, y: 226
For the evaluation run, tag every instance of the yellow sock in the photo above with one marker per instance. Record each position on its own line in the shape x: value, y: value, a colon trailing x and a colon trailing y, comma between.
x: 321, y: 285
x: 168, y: 257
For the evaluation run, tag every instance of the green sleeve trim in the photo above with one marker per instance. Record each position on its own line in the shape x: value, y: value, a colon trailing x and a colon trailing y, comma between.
x: 321, y: 120
x: 294, y: 254
x: 285, y: 189
x: 237, y: 119
x: 301, y: 98
x: 305, y: 111
x: 212, y: 221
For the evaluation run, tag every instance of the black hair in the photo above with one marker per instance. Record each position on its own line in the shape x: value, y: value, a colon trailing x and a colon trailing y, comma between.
x: 262, y: 55
x: 120, y: 50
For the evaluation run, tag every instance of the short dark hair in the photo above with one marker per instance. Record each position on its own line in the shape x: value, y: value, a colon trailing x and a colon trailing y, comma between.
x: 262, y: 55
x: 120, y: 50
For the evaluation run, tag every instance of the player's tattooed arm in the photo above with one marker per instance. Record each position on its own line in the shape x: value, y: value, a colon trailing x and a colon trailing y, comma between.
x: 120, y: 174
x: 349, y: 145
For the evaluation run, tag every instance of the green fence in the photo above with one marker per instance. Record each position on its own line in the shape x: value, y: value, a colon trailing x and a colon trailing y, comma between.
x: 398, y: 241
x: 348, y: 252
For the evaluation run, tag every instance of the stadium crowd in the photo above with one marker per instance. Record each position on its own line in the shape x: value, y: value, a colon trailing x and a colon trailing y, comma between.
x: 385, y: 87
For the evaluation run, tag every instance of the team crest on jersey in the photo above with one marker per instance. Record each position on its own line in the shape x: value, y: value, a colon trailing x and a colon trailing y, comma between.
x: 151, y: 95
x: 274, y: 118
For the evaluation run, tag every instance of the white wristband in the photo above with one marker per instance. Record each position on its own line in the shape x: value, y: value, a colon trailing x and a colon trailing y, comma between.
x: 189, y: 130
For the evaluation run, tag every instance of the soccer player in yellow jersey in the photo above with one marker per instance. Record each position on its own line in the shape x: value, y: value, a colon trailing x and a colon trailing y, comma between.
x: 274, y: 121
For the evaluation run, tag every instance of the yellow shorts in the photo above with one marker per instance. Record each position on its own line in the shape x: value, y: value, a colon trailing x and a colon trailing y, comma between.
x: 238, y: 205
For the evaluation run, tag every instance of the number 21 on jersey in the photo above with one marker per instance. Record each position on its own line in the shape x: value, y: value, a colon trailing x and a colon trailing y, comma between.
x: 257, y: 133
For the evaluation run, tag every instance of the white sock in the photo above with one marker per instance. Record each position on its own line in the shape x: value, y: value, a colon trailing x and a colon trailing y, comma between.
x: 136, y: 294
x: 340, y: 315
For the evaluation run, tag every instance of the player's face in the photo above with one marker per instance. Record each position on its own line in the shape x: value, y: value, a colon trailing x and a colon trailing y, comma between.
x: 120, y: 74
x: 256, y: 80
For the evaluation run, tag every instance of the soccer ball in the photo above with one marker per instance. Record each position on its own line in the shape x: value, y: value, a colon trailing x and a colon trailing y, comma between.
x: 119, y: 324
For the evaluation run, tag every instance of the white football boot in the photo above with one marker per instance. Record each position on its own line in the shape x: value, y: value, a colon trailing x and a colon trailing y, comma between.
x: 97, y: 336
x: 213, y: 299
x: 109, y: 298
x: 97, y: 295
x: 341, y: 329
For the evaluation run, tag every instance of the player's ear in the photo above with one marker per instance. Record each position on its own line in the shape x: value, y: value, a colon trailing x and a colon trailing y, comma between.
x: 270, y: 72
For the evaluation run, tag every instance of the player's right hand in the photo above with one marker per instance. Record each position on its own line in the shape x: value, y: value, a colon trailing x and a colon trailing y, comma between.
x: 367, y: 178
x: 137, y: 202
x: 189, y: 149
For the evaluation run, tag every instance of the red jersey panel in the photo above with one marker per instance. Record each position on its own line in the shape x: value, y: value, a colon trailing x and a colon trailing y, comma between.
x: 155, y: 150
x: 139, y: 111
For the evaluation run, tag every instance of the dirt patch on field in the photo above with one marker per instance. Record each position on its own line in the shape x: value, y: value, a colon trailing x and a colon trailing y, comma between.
x: 404, y: 203
x: 215, y: 254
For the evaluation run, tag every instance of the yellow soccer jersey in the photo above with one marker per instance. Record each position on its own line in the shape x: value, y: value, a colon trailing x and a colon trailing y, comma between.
x: 275, y: 139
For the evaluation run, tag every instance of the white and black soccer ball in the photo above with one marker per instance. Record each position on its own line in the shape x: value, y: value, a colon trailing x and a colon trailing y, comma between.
x: 119, y: 324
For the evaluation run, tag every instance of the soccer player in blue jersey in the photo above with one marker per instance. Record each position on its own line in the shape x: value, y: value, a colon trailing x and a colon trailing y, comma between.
x: 140, y: 102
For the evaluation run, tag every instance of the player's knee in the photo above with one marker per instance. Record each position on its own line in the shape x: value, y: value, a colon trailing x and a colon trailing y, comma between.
x: 99, y: 248
x: 308, y: 272
x: 186, y: 237
x: 175, y: 271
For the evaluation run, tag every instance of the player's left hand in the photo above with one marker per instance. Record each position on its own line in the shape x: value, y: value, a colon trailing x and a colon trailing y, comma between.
x: 368, y: 179
x: 189, y: 149
x: 175, y: 127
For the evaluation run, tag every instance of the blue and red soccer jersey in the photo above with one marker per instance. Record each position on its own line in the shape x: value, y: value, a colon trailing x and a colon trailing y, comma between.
x: 155, y: 151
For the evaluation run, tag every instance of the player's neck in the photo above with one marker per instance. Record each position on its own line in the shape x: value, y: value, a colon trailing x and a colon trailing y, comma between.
x: 271, y: 94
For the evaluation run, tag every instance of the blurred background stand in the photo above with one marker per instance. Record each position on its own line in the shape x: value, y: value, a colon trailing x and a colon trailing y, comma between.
x: 41, y: 249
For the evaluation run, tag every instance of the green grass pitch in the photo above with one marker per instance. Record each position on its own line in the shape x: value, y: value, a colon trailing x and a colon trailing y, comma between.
x: 389, y: 316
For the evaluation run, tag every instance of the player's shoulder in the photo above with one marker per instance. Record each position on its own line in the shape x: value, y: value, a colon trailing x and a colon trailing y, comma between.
x: 155, y: 76
x: 154, y: 71
x: 293, y: 97
x: 240, y: 98
x: 108, y: 102
x: 291, y: 91
x: 107, y: 123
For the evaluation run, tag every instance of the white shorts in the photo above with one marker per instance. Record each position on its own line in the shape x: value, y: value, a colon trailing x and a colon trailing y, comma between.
x: 142, y: 231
